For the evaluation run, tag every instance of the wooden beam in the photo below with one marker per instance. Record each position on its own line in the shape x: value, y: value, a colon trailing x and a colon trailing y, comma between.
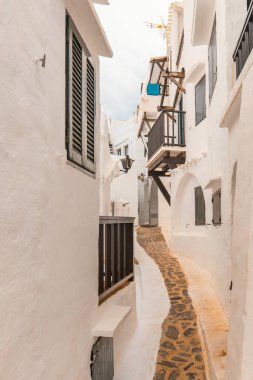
x: 171, y: 117
x: 162, y: 68
x: 150, y: 120
x: 162, y: 188
x: 178, y: 91
x: 178, y: 84
x: 165, y: 108
x: 164, y: 91
x: 151, y: 72
x: 162, y: 59
x: 173, y: 74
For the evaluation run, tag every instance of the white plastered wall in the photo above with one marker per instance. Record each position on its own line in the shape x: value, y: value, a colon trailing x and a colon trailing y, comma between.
x: 50, y: 210
x: 127, y: 187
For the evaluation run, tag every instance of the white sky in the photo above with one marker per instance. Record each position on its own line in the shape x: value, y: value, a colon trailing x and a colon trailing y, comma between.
x: 133, y: 44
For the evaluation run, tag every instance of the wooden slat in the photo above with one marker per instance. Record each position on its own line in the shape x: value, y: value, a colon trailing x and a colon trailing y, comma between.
x: 101, y: 260
x: 108, y: 261
x: 122, y: 252
x: 90, y: 111
x: 115, y: 250
x: 76, y: 95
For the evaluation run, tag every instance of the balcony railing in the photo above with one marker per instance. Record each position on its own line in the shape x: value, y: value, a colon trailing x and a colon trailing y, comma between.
x: 116, y: 253
x: 168, y: 130
x: 245, y: 42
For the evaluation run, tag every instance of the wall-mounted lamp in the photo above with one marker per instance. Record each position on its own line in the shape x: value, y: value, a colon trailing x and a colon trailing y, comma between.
x: 142, y: 178
x: 127, y: 163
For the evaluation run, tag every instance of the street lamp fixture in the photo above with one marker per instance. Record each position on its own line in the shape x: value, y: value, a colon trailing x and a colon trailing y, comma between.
x: 127, y: 163
x: 142, y: 178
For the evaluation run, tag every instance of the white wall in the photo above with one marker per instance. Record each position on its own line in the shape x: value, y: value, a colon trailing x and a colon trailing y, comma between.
x: 207, y: 163
x: 211, y: 154
x: 127, y: 187
x: 49, y: 210
x: 241, y: 333
x: 109, y: 169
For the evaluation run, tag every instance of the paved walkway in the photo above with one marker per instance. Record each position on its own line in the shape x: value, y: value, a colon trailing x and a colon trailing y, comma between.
x: 180, y: 355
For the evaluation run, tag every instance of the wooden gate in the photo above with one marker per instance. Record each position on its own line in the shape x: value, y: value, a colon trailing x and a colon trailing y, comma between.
x: 102, y: 367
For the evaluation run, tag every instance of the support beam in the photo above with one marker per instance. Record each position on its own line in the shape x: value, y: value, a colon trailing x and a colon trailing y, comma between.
x: 162, y: 188
x: 173, y: 74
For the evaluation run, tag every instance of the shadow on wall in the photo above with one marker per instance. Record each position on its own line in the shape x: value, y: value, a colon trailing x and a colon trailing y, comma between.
x: 153, y: 204
x: 148, y: 203
x: 185, y: 209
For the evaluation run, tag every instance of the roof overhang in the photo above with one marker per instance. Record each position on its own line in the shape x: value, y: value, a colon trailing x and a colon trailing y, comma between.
x: 89, y: 26
x: 202, y: 21
x: 104, y: 48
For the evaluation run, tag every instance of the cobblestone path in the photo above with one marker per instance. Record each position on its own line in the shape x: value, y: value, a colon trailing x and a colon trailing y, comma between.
x: 180, y: 355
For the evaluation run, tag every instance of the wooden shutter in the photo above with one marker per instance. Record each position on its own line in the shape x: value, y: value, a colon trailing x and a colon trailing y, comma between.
x: 212, y: 61
x: 200, y: 100
x: 77, y: 95
x: 200, y: 209
x: 216, y: 200
x: 91, y: 111
x: 80, y: 100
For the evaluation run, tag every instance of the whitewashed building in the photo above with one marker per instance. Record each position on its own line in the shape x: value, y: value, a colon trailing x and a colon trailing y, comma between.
x: 49, y: 223
x: 210, y: 185
x: 131, y: 189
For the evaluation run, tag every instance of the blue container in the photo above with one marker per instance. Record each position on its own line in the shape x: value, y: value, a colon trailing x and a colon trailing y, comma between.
x: 153, y: 89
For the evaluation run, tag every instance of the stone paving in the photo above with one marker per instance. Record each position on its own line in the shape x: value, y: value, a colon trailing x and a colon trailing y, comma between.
x: 180, y: 354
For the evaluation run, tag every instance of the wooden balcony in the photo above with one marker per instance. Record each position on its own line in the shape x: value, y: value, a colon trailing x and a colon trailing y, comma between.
x: 166, y: 143
x: 116, y: 254
x: 245, y: 42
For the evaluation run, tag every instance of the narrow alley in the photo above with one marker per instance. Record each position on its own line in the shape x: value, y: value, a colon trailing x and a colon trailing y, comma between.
x: 180, y: 355
x: 126, y: 241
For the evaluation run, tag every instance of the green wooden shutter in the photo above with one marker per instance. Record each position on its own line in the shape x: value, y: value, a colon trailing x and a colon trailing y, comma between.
x: 212, y: 61
x: 80, y: 100
x: 200, y: 209
x: 91, y: 111
x: 77, y: 95
x: 216, y: 200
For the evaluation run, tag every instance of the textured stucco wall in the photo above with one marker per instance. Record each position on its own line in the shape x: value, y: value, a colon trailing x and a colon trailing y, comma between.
x: 206, y: 160
x: 49, y: 213
x: 49, y: 210
x: 241, y: 321
x: 126, y: 186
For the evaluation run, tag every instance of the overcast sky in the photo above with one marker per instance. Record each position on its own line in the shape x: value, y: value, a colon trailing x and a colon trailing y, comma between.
x: 132, y: 44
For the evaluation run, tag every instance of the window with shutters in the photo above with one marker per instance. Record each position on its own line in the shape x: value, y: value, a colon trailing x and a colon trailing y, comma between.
x: 200, y: 208
x: 200, y: 100
x: 216, y: 200
x: 212, y: 61
x: 80, y: 100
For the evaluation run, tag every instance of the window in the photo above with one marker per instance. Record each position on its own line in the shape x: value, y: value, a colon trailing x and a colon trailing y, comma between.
x: 119, y: 152
x: 126, y: 150
x: 200, y: 209
x: 212, y: 61
x: 80, y: 100
x: 200, y: 100
x: 216, y: 200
